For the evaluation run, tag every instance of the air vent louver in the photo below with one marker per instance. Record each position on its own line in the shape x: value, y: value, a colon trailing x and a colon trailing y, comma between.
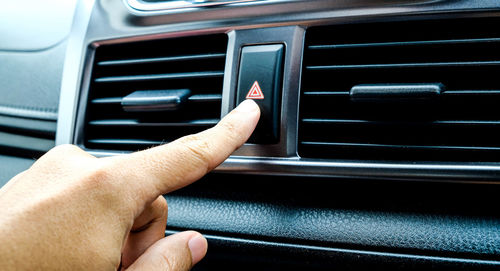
x: 158, y: 70
x: 462, y: 124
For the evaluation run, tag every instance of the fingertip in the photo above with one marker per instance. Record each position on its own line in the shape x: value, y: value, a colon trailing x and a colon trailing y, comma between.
x: 179, y: 163
x: 245, y: 116
x: 198, y: 246
x: 248, y: 106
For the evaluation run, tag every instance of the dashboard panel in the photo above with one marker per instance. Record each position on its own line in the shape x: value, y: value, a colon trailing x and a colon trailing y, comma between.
x: 283, y: 157
x: 387, y: 150
x: 32, y: 54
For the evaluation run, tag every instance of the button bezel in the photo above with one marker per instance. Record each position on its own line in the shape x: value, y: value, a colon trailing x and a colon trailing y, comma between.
x: 292, y: 39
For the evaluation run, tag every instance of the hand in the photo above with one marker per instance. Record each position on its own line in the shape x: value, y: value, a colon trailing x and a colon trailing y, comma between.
x: 73, y: 211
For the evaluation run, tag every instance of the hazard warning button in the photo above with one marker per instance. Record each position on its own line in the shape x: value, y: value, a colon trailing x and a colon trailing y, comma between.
x: 260, y: 78
x: 255, y: 92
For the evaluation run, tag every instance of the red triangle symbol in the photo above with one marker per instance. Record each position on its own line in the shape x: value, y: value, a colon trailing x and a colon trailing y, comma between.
x: 255, y: 92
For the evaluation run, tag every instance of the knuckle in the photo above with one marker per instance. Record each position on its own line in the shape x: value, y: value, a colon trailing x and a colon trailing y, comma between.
x: 104, y: 185
x: 189, y: 139
x: 231, y: 131
x: 198, y: 148
x: 66, y: 148
x: 167, y: 262
x: 66, y: 151
x: 61, y: 158
x: 98, y: 176
x: 163, y: 203
x: 160, y: 206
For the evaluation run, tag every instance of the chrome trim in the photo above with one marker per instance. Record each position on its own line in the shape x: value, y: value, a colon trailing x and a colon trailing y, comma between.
x: 456, y: 172
x: 365, y: 170
x: 70, y: 85
x: 183, y: 5
x: 293, y: 39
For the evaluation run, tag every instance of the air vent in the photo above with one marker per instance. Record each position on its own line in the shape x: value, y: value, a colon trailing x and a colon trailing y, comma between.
x: 152, y: 92
x: 402, y: 91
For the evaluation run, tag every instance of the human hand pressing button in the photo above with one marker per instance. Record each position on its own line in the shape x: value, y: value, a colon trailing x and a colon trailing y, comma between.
x: 73, y: 211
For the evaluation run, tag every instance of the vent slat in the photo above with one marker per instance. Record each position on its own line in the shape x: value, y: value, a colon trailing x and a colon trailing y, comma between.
x: 107, y: 100
x: 194, y: 98
x: 396, y: 147
x: 206, y: 98
x: 326, y: 93
x: 137, y: 123
x: 159, y: 59
x: 460, y: 123
x: 403, y: 65
x: 483, y: 92
x: 401, y: 43
x: 375, y: 122
x: 161, y: 65
x: 114, y: 141
x: 471, y: 92
x: 168, y: 76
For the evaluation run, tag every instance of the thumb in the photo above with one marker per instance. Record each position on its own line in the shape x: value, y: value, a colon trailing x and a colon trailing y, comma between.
x: 177, y: 252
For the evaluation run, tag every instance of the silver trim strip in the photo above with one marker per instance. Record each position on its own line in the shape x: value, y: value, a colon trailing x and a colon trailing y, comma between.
x: 183, y: 5
x: 70, y: 85
x: 368, y: 170
x: 457, y: 172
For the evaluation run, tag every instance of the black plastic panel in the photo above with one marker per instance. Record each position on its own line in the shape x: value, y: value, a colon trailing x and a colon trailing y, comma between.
x: 227, y: 253
x: 448, y: 220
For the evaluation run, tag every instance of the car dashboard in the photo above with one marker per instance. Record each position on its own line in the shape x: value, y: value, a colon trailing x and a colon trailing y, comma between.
x: 380, y: 138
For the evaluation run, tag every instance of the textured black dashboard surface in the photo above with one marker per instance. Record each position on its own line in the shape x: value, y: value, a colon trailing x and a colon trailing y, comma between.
x: 228, y: 253
x: 451, y: 220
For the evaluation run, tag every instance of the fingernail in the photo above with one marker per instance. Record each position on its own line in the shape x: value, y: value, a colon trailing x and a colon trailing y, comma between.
x: 247, y: 106
x: 198, y: 247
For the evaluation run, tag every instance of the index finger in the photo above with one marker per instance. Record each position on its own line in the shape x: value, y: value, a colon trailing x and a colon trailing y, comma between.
x: 165, y: 168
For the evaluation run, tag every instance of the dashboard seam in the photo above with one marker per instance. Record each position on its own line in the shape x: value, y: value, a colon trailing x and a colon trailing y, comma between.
x: 29, y: 112
x: 33, y: 108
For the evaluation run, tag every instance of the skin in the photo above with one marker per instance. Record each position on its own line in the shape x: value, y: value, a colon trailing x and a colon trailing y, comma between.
x: 73, y: 211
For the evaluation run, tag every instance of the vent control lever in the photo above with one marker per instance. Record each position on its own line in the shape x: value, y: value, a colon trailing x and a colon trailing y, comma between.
x: 395, y: 92
x: 155, y: 100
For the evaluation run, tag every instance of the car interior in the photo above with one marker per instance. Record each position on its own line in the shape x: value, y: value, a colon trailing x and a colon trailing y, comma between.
x: 379, y: 140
